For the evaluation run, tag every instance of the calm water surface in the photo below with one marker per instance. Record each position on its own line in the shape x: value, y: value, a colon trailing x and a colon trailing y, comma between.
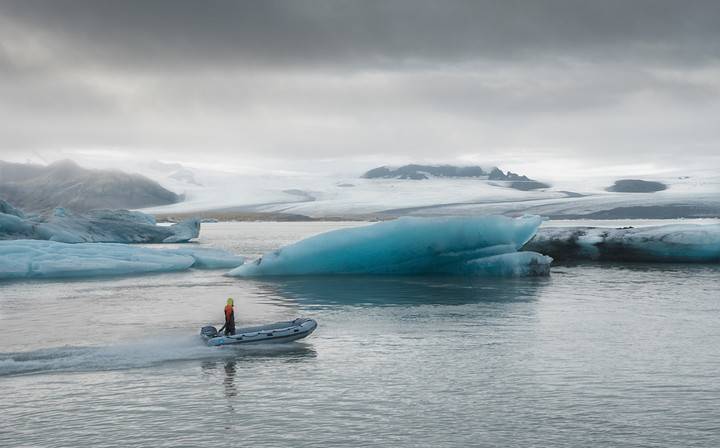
x: 595, y: 355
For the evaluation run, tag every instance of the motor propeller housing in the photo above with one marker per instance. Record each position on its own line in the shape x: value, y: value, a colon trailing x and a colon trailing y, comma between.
x: 208, y: 331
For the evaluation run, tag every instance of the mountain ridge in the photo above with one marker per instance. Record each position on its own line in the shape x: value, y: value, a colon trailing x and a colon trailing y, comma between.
x: 39, y: 189
x: 424, y: 172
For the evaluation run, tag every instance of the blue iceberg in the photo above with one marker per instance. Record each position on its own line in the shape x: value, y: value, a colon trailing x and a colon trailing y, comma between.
x: 97, y: 226
x: 675, y: 243
x: 445, y: 246
x: 49, y: 259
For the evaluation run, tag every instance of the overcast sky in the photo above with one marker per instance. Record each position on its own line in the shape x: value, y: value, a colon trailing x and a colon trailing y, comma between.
x: 535, y: 86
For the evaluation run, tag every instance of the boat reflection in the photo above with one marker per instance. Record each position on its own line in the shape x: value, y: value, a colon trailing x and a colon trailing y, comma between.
x: 288, y: 352
x: 236, y: 359
x: 229, y: 381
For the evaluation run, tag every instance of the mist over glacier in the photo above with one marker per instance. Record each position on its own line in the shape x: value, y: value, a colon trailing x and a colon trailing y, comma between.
x: 572, y: 196
x: 341, y: 191
x: 449, y: 246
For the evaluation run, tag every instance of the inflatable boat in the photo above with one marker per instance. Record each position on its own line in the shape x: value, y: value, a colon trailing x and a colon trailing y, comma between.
x: 262, y: 334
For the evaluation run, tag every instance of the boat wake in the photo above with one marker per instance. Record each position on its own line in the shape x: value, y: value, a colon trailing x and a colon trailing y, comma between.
x: 131, y: 355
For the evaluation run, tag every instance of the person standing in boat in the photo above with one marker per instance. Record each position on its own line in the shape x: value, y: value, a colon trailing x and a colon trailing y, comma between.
x: 229, y: 318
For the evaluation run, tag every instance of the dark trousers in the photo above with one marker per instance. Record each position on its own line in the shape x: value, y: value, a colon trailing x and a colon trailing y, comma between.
x: 229, y: 327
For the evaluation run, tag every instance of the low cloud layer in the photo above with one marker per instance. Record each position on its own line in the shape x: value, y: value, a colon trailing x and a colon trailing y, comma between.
x: 575, y: 84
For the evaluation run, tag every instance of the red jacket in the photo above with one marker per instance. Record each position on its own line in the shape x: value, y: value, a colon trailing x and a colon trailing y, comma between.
x: 229, y: 313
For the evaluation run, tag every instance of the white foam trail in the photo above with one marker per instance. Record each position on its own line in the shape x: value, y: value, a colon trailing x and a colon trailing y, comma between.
x: 130, y: 355
x: 116, y: 356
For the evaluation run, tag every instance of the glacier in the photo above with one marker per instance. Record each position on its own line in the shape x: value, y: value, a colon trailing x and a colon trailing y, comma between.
x: 485, y: 245
x: 97, y: 226
x: 50, y: 259
x: 675, y: 243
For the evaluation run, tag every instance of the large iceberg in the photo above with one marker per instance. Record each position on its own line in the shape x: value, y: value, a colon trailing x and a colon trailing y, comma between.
x: 675, y: 243
x: 97, y: 226
x: 446, y: 246
x: 49, y: 259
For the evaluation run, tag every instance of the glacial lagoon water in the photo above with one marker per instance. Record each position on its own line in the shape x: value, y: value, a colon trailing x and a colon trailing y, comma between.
x: 594, y: 355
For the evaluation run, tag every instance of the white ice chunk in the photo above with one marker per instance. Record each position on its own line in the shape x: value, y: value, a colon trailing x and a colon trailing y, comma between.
x: 403, y: 246
x: 61, y: 212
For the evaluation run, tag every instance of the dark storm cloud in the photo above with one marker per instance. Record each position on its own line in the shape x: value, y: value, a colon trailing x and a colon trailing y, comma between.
x: 327, y: 32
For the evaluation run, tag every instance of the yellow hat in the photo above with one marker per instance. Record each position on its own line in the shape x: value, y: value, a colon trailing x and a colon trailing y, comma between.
x: 230, y: 301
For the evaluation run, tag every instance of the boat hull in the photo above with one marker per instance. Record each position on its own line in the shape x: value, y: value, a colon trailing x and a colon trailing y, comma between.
x: 263, y: 334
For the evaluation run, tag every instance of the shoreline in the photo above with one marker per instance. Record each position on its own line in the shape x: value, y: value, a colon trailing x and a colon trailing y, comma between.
x: 269, y: 216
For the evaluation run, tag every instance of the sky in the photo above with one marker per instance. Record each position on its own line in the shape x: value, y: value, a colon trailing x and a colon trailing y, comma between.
x: 540, y: 87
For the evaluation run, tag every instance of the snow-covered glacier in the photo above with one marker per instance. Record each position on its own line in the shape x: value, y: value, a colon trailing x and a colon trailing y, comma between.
x: 97, y: 226
x: 485, y: 245
x: 676, y: 243
x: 49, y: 259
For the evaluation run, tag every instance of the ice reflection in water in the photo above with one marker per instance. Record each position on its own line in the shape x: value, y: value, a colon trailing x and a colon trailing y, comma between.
x: 328, y: 291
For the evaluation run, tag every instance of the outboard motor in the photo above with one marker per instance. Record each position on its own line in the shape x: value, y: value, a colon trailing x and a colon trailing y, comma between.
x: 208, y: 332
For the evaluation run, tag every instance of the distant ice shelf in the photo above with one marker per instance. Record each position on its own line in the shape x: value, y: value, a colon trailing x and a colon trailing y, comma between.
x: 49, y: 259
x: 485, y: 245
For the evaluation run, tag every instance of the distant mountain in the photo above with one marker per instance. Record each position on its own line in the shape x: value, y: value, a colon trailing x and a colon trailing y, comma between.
x: 636, y: 186
x: 39, y: 189
x: 422, y: 172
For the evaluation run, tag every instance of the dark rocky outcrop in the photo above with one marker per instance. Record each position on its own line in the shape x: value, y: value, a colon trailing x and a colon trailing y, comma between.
x: 528, y: 185
x: 422, y: 172
x: 636, y: 186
